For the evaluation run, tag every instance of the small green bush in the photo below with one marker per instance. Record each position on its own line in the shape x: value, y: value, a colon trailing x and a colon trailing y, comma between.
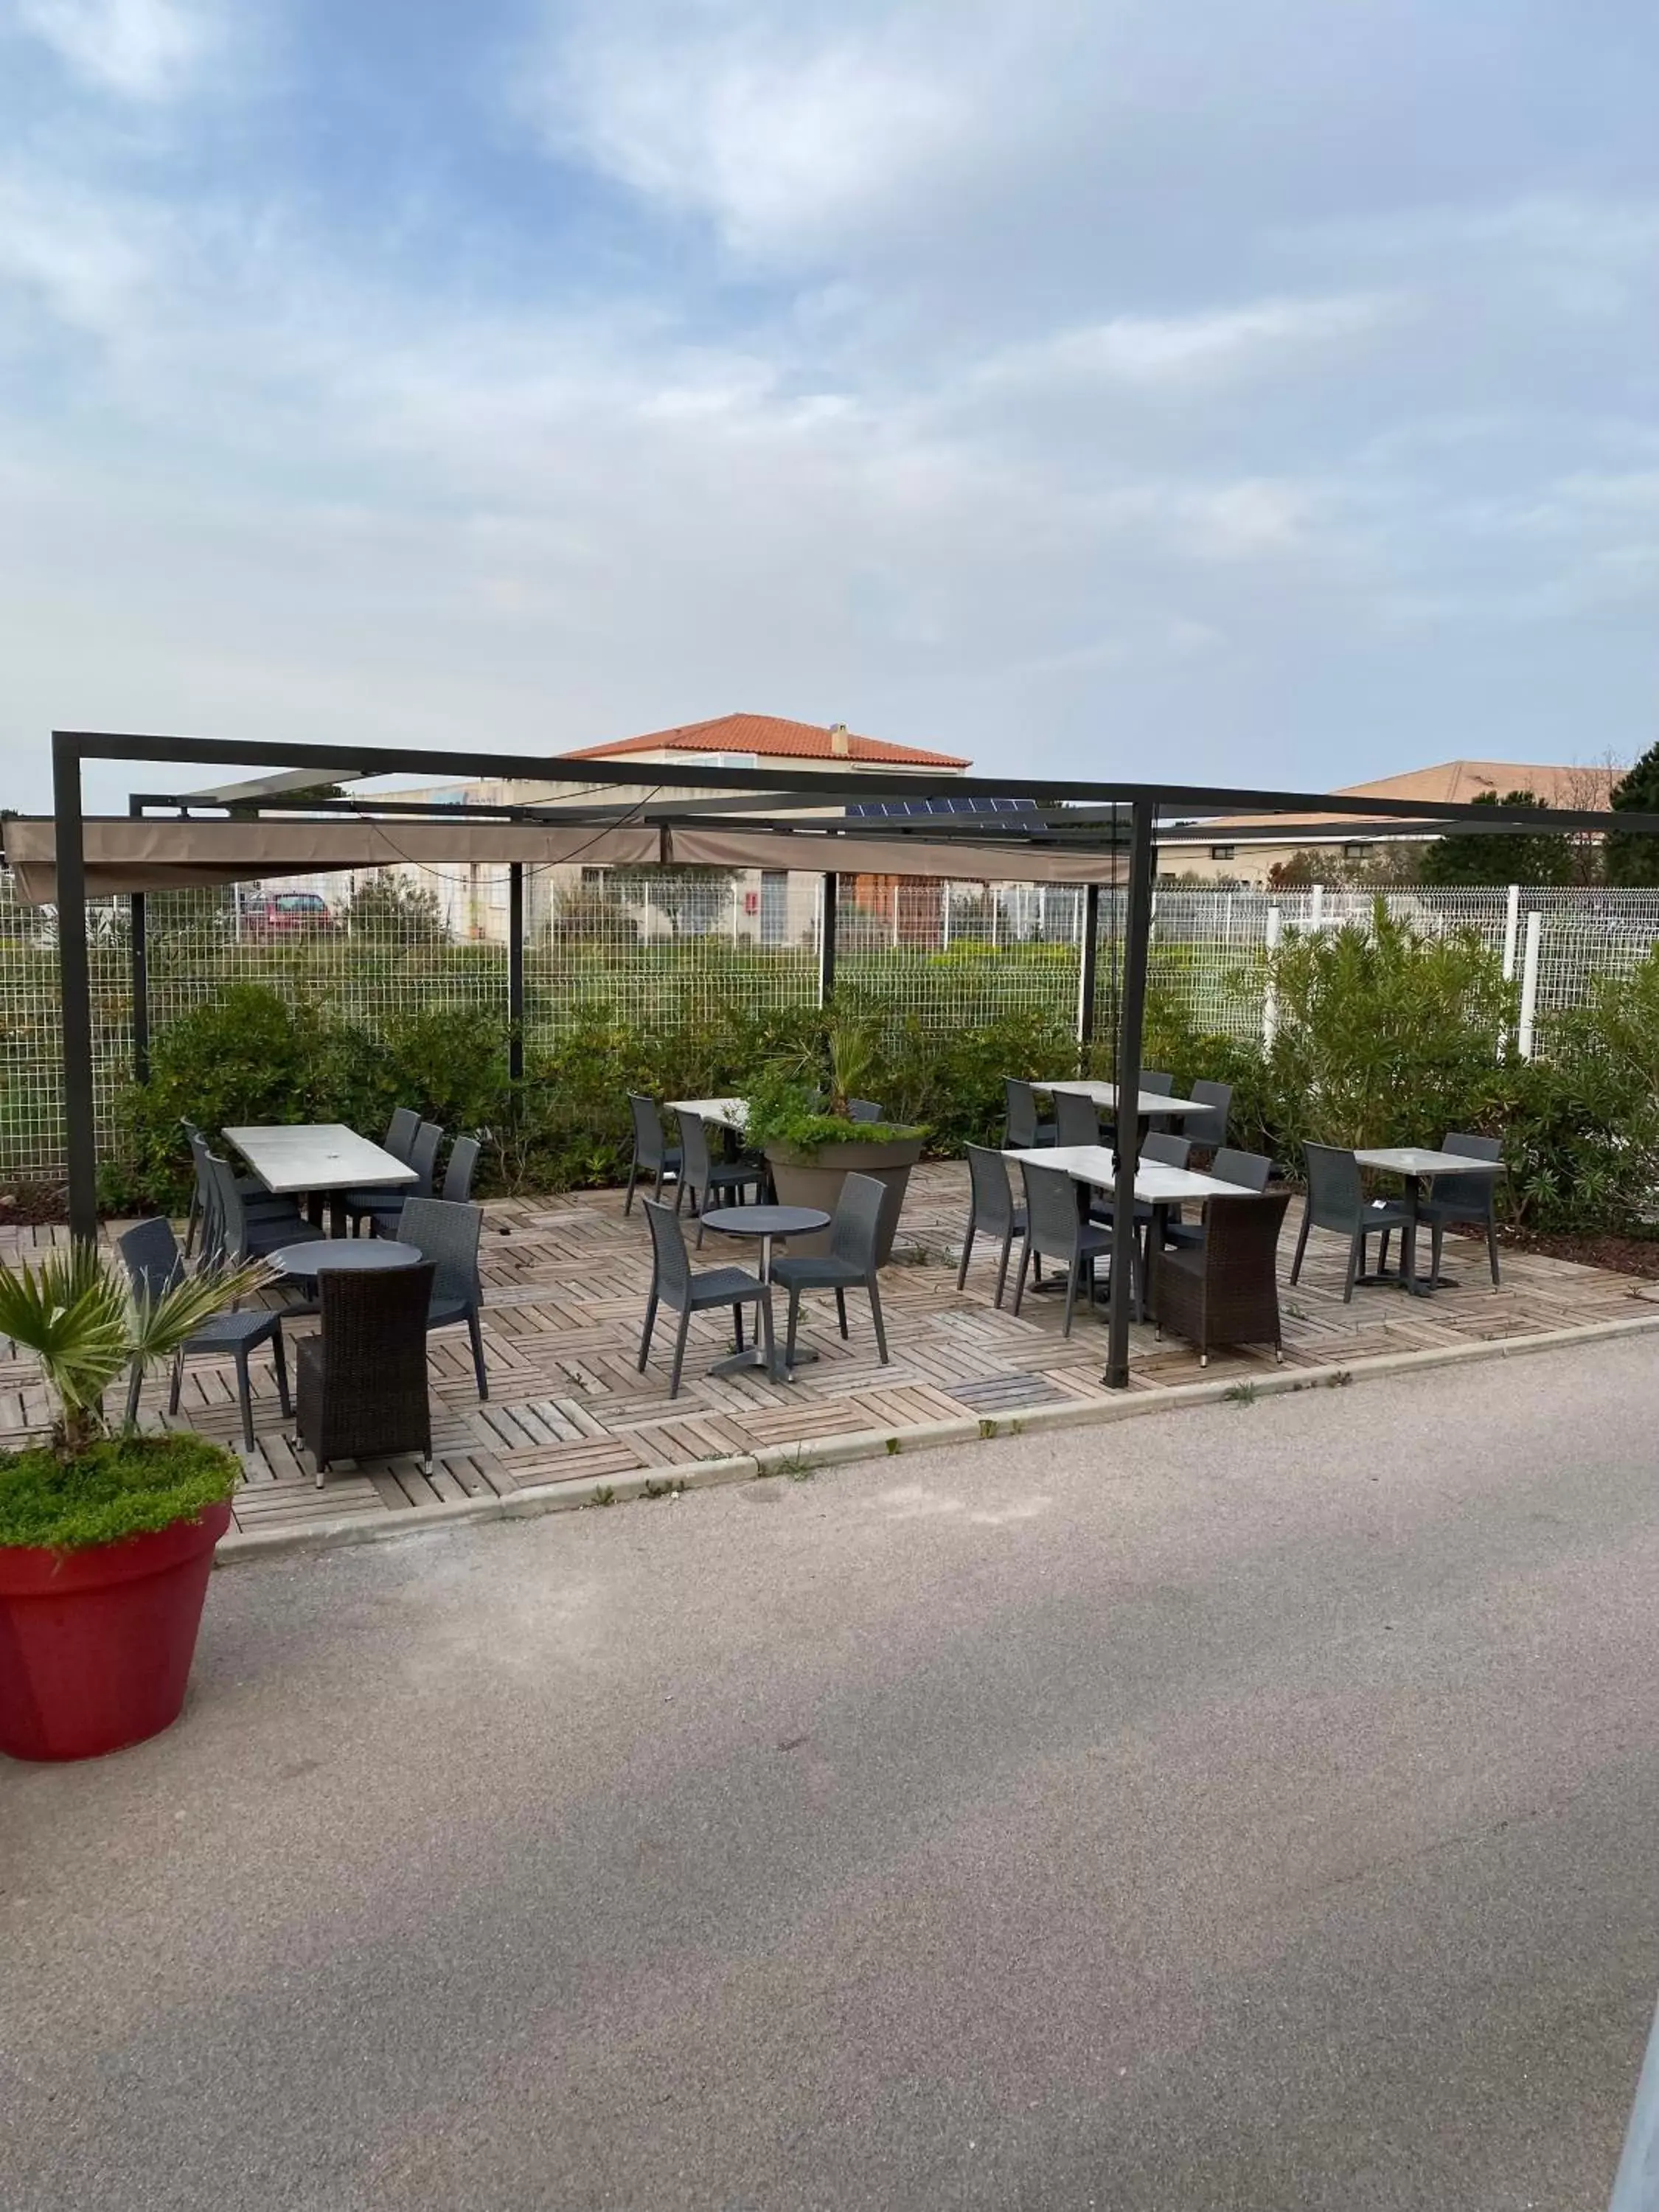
x: 128, y: 1485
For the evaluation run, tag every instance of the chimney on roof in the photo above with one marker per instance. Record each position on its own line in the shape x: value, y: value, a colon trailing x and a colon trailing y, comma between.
x: 840, y: 744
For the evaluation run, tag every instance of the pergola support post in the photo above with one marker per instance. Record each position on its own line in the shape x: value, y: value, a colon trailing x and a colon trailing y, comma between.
x: 80, y: 1130
x: 515, y: 970
x: 1088, y: 964
x: 138, y: 933
x: 1137, y: 942
x: 827, y: 943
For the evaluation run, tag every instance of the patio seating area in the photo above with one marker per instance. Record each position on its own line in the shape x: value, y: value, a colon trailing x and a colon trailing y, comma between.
x: 565, y: 1286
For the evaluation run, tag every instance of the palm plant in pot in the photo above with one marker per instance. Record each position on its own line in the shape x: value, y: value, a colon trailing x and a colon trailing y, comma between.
x: 805, y: 1116
x: 107, y: 1537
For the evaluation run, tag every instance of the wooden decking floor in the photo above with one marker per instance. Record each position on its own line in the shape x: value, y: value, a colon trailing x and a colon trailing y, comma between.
x: 565, y: 1286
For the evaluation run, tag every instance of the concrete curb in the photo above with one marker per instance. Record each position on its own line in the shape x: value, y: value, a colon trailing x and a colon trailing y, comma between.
x: 813, y: 1453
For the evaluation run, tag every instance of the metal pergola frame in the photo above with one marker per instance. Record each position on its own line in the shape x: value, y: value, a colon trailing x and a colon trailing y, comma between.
x: 1062, y: 816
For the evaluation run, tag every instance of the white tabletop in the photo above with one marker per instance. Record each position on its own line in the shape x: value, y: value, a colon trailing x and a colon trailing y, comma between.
x: 729, y: 1113
x: 296, y: 1156
x: 1414, y: 1160
x: 1155, y: 1184
x: 1105, y: 1094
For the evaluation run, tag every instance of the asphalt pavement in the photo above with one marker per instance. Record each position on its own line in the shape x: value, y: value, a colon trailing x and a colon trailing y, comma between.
x: 1252, y: 1808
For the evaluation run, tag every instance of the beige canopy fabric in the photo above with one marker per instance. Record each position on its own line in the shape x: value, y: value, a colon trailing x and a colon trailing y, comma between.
x: 173, y: 856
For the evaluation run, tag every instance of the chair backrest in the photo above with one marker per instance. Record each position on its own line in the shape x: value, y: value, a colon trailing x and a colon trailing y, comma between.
x: 987, y: 1179
x: 856, y: 1218
x: 207, y: 1189
x: 463, y: 1165
x: 1051, y: 1212
x: 863, y: 1109
x: 671, y: 1279
x: 1077, y: 1119
x: 1168, y: 1150
x: 1155, y: 1080
x: 1022, y: 1110
x: 694, y: 1148
x: 423, y: 1158
x: 1210, y: 1129
x: 1240, y: 1243
x: 648, y: 1130
x: 375, y: 1330
x: 1335, y: 1199
x: 224, y: 1234
x: 1252, y: 1171
x: 400, y: 1131
x: 153, y: 1262
x: 446, y: 1233
x: 1474, y: 1193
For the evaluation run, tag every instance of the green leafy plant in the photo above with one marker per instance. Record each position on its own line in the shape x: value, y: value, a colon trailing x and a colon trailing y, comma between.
x: 87, y: 1329
x: 119, y: 1486
x: 805, y: 1100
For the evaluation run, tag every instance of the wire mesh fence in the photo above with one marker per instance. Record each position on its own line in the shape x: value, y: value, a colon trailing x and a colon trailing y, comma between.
x: 653, y: 948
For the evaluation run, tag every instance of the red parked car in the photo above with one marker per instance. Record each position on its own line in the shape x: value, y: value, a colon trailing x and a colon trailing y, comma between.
x: 287, y: 914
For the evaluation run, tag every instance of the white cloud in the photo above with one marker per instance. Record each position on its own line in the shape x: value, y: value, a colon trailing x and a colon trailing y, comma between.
x: 1206, y: 348
x: 142, y: 50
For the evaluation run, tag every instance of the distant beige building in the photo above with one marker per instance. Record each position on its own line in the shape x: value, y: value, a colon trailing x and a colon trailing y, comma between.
x: 768, y: 906
x: 1209, y: 852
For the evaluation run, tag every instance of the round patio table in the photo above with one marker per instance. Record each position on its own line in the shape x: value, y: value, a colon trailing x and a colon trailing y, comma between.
x: 344, y: 1255
x: 765, y: 1222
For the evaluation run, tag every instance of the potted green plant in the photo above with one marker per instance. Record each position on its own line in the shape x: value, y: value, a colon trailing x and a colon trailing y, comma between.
x: 107, y: 1537
x: 805, y: 1129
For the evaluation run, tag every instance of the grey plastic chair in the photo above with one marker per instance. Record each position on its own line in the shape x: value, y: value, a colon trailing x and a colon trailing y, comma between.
x: 1162, y: 1085
x: 1249, y: 1170
x: 457, y: 1175
x: 446, y: 1231
x: 653, y: 1153
x: 1455, y: 1200
x: 704, y: 1176
x: 674, y: 1283
x: 1336, y: 1201
x: 153, y: 1264
x: 383, y: 1209
x: 1077, y: 1119
x: 1055, y: 1229
x: 864, y: 1109
x: 991, y: 1207
x: 401, y: 1132
x: 1026, y: 1128
x: 1209, y: 1130
x: 256, y: 1199
x: 849, y: 1262
x: 234, y: 1233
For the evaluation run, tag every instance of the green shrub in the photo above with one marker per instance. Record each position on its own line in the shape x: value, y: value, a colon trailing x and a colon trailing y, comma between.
x: 128, y: 1485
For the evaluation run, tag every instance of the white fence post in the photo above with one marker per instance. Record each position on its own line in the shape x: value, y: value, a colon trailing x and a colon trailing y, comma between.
x: 1511, y: 931
x: 896, y: 913
x: 1530, y: 985
x: 1317, y: 907
x: 1270, y: 996
x: 945, y: 917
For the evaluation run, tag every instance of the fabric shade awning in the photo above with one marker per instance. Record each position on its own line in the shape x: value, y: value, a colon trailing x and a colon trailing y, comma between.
x: 174, y: 855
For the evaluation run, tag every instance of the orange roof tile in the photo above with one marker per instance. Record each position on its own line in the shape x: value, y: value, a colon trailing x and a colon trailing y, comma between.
x: 773, y: 738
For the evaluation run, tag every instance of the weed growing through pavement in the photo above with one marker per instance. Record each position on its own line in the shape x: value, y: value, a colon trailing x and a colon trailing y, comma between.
x: 1241, y: 1394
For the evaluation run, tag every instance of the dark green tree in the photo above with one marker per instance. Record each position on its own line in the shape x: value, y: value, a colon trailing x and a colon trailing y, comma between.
x: 1500, y: 857
x: 1630, y: 859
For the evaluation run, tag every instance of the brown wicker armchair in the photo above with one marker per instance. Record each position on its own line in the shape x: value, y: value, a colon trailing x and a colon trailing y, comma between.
x: 1226, y: 1289
x: 361, y: 1382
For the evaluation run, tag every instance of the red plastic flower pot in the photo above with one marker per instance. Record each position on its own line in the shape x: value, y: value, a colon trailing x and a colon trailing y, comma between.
x: 95, y: 1646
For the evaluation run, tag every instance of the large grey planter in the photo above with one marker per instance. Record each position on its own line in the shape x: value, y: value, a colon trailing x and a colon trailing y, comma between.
x: 815, y: 1178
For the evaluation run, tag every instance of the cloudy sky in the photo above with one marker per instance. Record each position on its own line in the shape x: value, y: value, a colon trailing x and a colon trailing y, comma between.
x: 1260, y: 389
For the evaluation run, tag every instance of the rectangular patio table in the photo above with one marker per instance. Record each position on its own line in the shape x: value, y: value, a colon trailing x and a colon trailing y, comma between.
x: 727, y: 1113
x: 318, y: 1160
x: 1149, y: 1103
x: 1417, y: 1164
x: 1156, y: 1185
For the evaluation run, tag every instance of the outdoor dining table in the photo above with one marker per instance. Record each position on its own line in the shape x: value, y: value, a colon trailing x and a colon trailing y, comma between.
x: 1149, y: 1103
x: 726, y: 1113
x: 1095, y: 1167
x: 1416, y: 1164
x: 766, y: 1222
x: 344, y: 1255
x: 318, y: 1160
